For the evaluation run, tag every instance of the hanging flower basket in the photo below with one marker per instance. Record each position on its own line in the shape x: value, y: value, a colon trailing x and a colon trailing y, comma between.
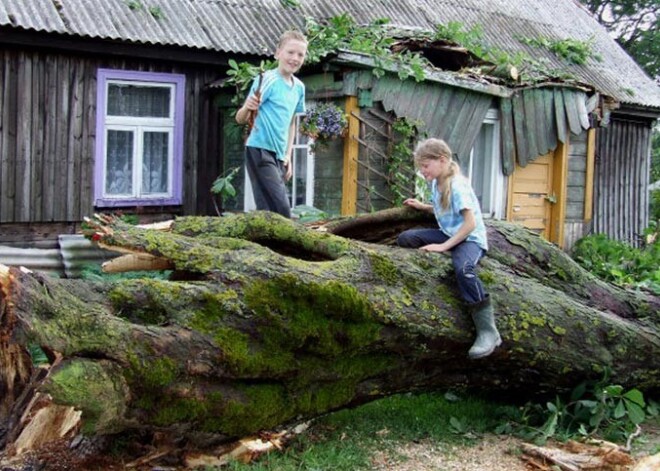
x: 324, y: 122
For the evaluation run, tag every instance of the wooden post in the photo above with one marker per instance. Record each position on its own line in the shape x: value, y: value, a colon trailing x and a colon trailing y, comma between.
x: 560, y: 190
x: 589, y: 176
x: 350, y: 174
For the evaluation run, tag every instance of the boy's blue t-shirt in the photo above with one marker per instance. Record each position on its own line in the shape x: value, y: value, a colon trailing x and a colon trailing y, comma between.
x: 451, y: 219
x: 279, y: 102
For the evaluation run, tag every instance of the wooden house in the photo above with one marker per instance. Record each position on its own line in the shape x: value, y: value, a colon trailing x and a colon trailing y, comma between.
x: 113, y: 105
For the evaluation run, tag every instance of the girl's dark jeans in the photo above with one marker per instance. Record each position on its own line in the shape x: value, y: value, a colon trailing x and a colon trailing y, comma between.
x: 465, y: 257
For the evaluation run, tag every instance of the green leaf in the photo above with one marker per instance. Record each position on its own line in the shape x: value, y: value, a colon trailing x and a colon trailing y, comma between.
x: 457, y: 425
x: 218, y: 186
x: 588, y: 404
x: 619, y: 410
x: 596, y: 419
x: 550, y: 426
x: 229, y: 189
x: 578, y: 391
x: 635, y: 412
x: 614, y: 390
x: 636, y: 396
x: 451, y: 397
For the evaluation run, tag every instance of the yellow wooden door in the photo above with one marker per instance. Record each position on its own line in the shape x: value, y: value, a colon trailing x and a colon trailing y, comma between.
x: 531, y: 195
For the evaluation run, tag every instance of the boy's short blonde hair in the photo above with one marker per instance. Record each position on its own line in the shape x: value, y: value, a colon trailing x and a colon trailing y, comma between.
x: 291, y: 35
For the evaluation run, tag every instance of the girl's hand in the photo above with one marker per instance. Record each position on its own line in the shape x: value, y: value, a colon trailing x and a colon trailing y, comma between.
x: 413, y: 203
x: 434, y: 248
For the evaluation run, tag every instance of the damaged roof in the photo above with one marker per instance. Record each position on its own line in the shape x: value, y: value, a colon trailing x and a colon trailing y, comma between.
x: 253, y: 26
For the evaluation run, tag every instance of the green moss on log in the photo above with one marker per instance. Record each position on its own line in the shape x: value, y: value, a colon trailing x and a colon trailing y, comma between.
x: 97, y: 388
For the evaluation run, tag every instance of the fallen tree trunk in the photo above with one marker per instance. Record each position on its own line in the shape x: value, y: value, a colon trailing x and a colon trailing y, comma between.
x: 265, y: 321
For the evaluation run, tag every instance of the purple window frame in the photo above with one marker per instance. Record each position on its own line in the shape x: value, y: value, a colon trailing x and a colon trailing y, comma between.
x: 179, y: 81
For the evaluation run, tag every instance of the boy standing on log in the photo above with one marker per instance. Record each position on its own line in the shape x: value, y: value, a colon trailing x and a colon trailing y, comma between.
x: 272, y: 104
x: 461, y: 231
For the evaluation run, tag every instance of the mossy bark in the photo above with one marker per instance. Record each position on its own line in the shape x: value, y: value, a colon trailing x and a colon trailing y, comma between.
x: 265, y: 321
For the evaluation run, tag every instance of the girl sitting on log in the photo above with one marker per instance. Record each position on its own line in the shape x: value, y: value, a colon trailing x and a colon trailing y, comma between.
x: 461, y: 231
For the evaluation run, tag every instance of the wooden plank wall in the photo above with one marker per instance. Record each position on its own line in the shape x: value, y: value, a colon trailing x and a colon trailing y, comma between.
x: 574, y: 224
x: 48, y: 131
x: 577, y: 165
x: 621, y: 179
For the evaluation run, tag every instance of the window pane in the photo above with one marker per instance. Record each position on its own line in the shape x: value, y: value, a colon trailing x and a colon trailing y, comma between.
x: 138, y: 101
x: 301, y: 175
x: 119, y: 163
x: 155, y: 163
x: 482, y: 161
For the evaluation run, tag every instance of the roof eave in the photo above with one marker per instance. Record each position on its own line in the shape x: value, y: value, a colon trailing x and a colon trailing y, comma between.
x: 432, y: 75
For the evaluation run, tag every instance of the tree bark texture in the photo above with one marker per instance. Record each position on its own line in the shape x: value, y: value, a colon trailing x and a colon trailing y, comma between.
x: 265, y: 321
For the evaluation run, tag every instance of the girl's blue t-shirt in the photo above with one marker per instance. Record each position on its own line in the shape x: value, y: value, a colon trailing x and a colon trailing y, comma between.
x: 279, y: 102
x: 451, y: 219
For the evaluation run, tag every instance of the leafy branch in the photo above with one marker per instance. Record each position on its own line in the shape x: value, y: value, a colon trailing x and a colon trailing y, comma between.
x: 402, y: 181
x: 573, y: 51
x: 531, y: 69
x: 340, y: 33
x: 599, y: 409
x: 242, y: 74
x: 223, y: 187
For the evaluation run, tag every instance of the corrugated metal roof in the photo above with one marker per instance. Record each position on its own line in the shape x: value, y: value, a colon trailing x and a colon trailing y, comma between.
x: 253, y: 26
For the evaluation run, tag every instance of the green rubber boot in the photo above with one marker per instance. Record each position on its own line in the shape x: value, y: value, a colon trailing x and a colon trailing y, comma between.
x: 488, y: 338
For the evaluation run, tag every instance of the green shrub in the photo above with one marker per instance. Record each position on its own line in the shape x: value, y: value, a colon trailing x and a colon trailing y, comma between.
x: 620, y: 263
x: 593, y: 409
x: 654, y: 206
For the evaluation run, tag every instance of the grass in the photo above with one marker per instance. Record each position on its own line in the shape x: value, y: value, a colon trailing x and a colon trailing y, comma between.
x: 346, y: 440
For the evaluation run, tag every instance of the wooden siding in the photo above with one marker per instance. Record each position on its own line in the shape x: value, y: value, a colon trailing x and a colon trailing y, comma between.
x: 575, y: 224
x: 47, y: 135
x: 577, y: 166
x: 622, y: 178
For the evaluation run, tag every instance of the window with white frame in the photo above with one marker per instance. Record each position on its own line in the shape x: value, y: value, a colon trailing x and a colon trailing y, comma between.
x: 484, y: 168
x: 301, y: 184
x: 300, y: 187
x: 139, y: 138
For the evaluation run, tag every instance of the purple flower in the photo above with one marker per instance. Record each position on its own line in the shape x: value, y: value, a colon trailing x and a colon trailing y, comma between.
x: 325, y: 121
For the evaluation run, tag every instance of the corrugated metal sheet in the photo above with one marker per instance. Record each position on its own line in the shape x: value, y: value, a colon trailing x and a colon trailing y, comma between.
x: 251, y: 26
x: 42, y: 260
x: 67, y: 258
x: 77, y: 252
x: 622, y: 180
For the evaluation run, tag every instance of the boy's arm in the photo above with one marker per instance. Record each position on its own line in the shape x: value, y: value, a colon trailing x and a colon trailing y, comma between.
x: 251, y: 104
x: 289, y: 149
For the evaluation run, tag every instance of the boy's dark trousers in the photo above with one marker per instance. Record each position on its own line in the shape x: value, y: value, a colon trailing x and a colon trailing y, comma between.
x: 266, y: 174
